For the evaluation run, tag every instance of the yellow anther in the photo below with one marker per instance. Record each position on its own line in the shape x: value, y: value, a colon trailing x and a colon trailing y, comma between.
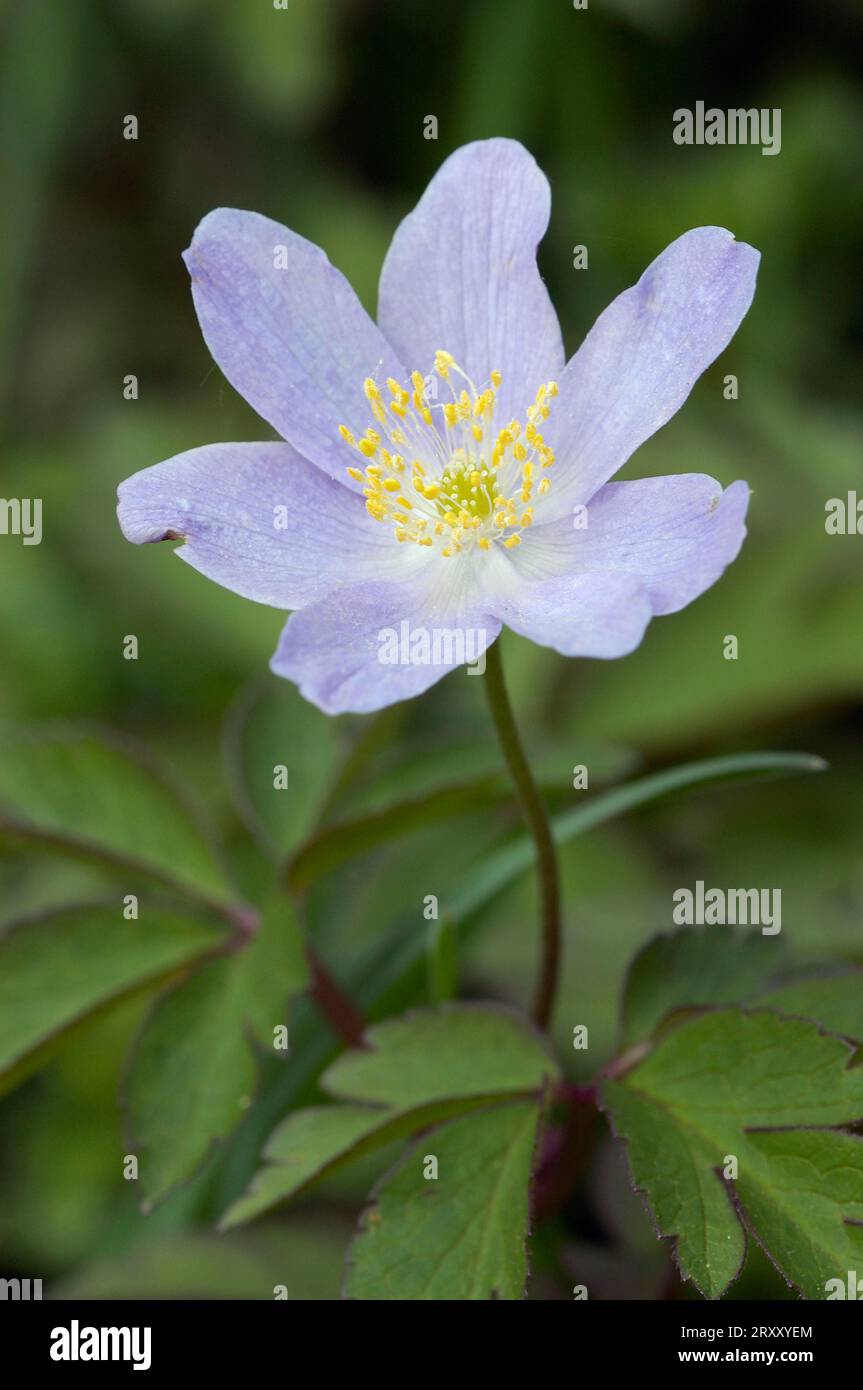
x: 398, y: 391
x: 544, y: 486
x: 459, y: 477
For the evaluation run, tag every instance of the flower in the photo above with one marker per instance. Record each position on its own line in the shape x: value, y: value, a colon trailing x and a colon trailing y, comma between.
x: 447, y: 471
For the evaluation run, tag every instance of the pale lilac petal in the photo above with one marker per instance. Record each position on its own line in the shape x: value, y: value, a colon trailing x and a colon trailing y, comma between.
x: 262, y: 521
x: 600, y: 615
x: 288, y: 332
x: 333, y: 651
x: 461, y: 274
x: 674, y: 534
x: 641, y: 358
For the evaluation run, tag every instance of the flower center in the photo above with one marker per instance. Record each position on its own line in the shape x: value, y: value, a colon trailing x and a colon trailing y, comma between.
x: 442, y: 474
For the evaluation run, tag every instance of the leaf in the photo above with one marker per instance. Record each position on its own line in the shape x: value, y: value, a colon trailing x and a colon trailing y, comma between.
x: 193, y: 1070
x: 442, y: 948
x: 272, y: 726
x: 91, y: 797
x: 312, y: 1144
x: 835, y: 1001
x: 418, y: 1070
x: 343, y: 840
x: 760, y: 1087
x: 459, y: 1236
x: 695, y: 966
x: 57, y: 969
x: 812, y: 1184
x: 457, y: 1050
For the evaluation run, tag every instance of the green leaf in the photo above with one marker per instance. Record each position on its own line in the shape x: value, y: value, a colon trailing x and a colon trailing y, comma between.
x: 95, y: 798
x: 457, y: 1050
x: 312, y: 1144
x: 695, y: 966
x: 442, y: 961
x: 58, y: 969
x: 810, y: 1187
x: 418, y: 1070
x: 696, y: 1100
x: 271, y: 727
x: 459, y: 1236
x: 194, y: 1070
x: 835, y: 1001
x: 345, y: 839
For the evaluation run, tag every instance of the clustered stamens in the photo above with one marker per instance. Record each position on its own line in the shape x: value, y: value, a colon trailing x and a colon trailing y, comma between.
x: 451, y: 483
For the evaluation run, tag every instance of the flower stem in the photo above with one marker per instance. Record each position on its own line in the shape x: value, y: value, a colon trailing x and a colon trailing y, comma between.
x: 335, y: 1006
x: 537, y: 822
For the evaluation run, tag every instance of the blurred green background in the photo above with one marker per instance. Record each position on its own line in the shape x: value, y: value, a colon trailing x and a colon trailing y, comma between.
x: 314, y: 116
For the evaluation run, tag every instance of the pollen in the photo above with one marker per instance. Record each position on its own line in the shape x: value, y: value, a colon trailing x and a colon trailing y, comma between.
x: 471, y: 473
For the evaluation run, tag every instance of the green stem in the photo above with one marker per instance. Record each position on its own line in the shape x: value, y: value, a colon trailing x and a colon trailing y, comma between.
x: 537, y: 822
